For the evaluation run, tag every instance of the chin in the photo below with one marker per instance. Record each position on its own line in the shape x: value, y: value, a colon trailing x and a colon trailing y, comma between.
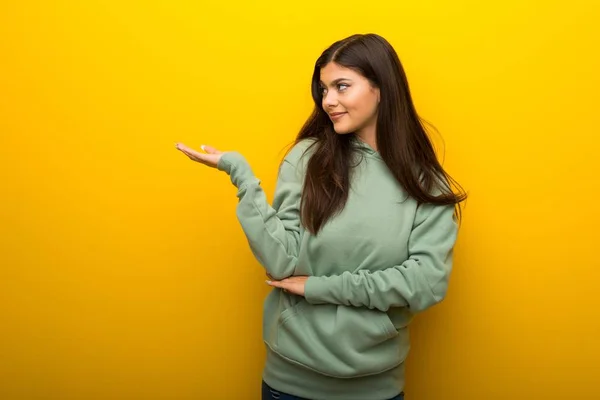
x: 342, y: 130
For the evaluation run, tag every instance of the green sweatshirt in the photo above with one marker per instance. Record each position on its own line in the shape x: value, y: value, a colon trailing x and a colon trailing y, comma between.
x: 371, y: 268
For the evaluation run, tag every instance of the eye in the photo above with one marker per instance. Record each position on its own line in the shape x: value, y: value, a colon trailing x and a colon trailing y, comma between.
x: 345, y: 86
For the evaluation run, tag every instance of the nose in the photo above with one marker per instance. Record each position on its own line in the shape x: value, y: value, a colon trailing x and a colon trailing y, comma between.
x: 329, y: 99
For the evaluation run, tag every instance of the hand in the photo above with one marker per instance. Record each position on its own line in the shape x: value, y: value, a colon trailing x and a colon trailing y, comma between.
x: 293, y: 284
x: 210, y: 159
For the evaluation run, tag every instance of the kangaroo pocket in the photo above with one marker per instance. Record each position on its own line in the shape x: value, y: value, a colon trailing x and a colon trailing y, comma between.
x: 340, y: 341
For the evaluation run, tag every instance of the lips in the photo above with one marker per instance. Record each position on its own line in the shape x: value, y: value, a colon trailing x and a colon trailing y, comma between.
x: 336, y: 115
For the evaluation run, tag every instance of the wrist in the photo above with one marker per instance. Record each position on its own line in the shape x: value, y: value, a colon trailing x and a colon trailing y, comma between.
x: 313, y: 289
x: 237, y: 167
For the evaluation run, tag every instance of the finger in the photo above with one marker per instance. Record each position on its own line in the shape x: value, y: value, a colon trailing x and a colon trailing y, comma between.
x: 277, y: 284
x: 210, y: 149
x: 195, y: 157
x: 193, y: 154
x: 187, y: 150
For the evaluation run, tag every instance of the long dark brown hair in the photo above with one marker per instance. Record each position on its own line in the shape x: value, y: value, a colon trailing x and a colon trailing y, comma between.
x: 402, y: 140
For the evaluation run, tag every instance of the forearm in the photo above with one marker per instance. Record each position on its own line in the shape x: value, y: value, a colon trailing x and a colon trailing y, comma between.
x: 418, y: 283
x: 273, y: 232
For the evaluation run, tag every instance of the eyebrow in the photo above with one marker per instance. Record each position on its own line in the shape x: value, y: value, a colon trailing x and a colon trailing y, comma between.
x: 335, y: 82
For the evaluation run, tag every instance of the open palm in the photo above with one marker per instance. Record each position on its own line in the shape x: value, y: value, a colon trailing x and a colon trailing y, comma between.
x: 210, y: 158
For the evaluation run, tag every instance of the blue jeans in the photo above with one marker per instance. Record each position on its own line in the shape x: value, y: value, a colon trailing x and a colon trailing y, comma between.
x: 269, y: 393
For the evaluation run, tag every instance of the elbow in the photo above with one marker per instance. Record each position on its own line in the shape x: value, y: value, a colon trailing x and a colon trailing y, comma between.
x: 434, y: 296
x: 278, y: 275
x: 277, y: 264
x: 433, y: 289
x: 425, y: 304
x: 281, y: 270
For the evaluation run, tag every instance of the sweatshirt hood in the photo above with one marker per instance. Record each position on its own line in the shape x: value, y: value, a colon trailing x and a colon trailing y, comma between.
x: 366, y: 148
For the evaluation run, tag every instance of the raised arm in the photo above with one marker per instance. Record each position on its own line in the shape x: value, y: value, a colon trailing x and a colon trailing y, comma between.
x: 273, y: 231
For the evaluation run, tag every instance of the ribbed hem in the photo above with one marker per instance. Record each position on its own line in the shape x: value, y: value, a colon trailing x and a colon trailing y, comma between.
x: 236, y: 166
x: 293, y: 379
x: 315, y: 289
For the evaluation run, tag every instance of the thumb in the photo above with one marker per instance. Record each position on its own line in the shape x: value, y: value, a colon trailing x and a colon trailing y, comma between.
x: 210, y: 149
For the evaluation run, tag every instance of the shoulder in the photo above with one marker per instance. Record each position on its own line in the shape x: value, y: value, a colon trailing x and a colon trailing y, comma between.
x: 301, y: 151
x: 295, y: 162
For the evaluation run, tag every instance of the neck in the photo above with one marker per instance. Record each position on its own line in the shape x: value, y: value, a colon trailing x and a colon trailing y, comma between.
x: 369, y: 136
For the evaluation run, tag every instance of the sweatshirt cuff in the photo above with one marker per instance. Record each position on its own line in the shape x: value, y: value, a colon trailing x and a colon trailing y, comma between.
x: 236, y: 166
x: 316, y: 290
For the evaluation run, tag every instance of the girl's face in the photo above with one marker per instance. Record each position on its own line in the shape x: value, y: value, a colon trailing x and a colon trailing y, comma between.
x: 349, y: 99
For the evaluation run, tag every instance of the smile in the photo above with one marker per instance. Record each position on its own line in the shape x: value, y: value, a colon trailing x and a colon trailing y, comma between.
x: 337, y: 116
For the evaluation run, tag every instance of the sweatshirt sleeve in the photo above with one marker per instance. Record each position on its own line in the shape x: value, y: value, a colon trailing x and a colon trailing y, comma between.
x: 273, y: 232
x: 418, y: 283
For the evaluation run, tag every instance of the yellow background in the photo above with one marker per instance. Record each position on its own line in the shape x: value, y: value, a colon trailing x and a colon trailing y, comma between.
x: 124, y: 272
